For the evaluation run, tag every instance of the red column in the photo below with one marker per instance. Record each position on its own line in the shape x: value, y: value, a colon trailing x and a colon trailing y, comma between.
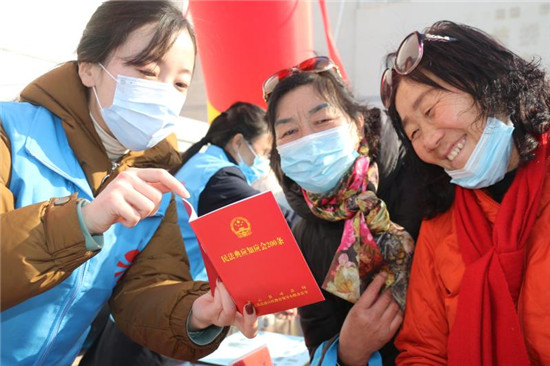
x: 241, y: 43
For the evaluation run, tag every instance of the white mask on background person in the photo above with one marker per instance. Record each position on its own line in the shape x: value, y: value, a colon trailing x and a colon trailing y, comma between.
x: 143, y: 113
x: 259, y: 168
x: 489, y: 161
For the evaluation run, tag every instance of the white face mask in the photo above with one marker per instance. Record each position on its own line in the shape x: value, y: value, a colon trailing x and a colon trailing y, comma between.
x: 143, y: 112
x: 259, y: 168
x: 317, y: 161
x: 489, y: 160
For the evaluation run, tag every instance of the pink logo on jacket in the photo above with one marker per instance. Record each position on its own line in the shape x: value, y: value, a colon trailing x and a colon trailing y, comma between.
x: 129, y: 256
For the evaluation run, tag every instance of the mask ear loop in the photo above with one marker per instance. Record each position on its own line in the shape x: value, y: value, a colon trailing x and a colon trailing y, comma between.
x: 257, y: 158
x: 97, y: 98
x: 251, y: 149
x: 94, y: 88
x: 107, y: 71
x: 241, y: 160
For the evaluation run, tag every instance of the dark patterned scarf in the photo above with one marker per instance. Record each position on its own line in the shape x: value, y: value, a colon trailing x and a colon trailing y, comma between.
x: 370, y: 242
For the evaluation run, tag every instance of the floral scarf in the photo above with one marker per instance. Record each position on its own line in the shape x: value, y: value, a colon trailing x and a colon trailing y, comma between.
x: 370, y: 243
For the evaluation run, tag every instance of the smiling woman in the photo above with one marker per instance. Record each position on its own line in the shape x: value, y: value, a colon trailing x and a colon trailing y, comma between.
x: 343, y: 172
x: 475, y: 116
x: 444, y: 125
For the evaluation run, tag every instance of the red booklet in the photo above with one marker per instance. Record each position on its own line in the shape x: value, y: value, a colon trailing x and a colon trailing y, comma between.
x: 250, y: 247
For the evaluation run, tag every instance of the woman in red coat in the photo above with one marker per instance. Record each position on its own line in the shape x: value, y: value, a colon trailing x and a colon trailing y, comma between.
x: 477, y: 117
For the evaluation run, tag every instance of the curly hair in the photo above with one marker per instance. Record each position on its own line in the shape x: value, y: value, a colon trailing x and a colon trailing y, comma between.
x: 500, y: 83
x: 331, y: 88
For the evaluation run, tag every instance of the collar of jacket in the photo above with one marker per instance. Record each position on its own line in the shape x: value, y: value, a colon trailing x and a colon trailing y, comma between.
x: 62, y: 92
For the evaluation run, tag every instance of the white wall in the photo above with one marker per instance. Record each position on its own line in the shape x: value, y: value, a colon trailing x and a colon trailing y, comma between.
x: 369, y: 30
x: 35, y: 35
x: 189, y: 131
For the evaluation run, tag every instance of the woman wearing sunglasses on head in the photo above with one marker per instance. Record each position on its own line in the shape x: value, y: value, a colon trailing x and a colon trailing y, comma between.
x: 476, y: 117
x: 342, y: 170
x: 83, y: 212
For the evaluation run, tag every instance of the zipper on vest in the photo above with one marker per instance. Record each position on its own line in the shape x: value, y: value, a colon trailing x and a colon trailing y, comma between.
x: 72, y: 296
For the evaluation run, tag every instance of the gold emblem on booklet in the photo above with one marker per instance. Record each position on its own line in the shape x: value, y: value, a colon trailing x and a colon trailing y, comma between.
x: 241, y: 227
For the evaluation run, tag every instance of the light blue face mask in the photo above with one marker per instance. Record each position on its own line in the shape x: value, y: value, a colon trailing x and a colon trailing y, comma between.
x: 259, y: 168
x: 317, y: 161
x: 489, y: 160
x: 143, y: 113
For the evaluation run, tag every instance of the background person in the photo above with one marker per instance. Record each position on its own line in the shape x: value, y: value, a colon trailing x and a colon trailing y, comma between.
x: 83, y: 214
x: 476, y: 117
x: 238, y: 146
x: 338, y: 162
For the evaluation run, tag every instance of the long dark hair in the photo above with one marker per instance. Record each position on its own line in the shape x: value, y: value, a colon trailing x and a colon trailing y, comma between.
x: 332, y: 89
x: 113, y: 21
x: 245, y: 118
x: 500, y: 83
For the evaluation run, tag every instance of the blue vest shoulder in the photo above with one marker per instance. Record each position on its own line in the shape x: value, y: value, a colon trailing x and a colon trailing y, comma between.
x: 195, y: 174
x: 43, y: 162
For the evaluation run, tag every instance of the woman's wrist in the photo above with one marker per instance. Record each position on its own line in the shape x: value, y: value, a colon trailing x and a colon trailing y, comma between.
x: 339, y: 362
x: 351, y: 358
x: 92, y: 242
x: 204, y: 336
x: 196, y: 324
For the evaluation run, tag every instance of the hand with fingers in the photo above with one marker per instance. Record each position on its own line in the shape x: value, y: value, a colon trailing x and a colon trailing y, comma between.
x: 369, y: 325
x: 220, y: 310
x: 132, y: 196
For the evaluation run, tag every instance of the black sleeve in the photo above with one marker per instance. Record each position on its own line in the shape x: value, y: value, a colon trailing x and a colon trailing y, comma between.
x: 398, y: 187
x: 228, y: 185
x: 391, y: 151
x: 290, y: 216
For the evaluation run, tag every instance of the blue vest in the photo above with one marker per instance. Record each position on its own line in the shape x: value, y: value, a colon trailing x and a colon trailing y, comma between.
x: 196, y: 173
x: 330, y: 356
x: 50, y: 328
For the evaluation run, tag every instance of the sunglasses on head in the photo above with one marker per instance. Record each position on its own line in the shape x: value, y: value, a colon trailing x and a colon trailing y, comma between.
x: 405, y: 60
x: 315, y: 64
